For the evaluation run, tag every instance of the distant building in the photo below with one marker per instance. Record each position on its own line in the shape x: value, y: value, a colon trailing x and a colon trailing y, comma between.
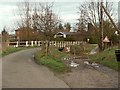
x: 26, y: 34
x: 78, y: 36
x: 63, y: 34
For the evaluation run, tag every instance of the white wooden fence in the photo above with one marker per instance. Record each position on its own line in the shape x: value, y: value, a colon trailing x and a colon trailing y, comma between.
x: 40, y: 43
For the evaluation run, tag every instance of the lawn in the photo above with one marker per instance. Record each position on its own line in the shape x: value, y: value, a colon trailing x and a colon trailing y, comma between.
x: 106, y: 58
x: 53, y: 60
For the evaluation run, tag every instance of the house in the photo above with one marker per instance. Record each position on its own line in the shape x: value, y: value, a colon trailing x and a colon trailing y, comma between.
x: 64, y: 34
x: 78, y: 36
x: 27, y: 34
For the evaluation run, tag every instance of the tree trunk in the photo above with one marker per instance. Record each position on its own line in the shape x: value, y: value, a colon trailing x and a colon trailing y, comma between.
x: 47, y: 48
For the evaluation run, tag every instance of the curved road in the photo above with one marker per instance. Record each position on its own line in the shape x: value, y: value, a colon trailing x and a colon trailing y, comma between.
x: 20, y: 71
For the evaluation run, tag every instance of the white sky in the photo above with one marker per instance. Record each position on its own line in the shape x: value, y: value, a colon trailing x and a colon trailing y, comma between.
x: 66, y: 10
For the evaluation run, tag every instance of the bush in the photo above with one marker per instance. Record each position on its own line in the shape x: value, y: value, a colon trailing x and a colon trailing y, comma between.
x: 93, y: 40
x: 82, y: 49
x: 77, y: 50
x: 55, y: 53
x: 115, y: 39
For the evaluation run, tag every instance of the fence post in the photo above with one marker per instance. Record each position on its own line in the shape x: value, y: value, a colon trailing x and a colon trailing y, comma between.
x: 50, y: 43
x: 60, y: 44
x: 31, y: 43
x: 63, y: 43
x: 66, y: 44
x: 55, y: 43
x: 16, y: 44
x: 78, y: 42
x: 38, y: 43
x: 35, y: 43
x: 8, y: 44
x: 71, y: 43
x: 26, y: 43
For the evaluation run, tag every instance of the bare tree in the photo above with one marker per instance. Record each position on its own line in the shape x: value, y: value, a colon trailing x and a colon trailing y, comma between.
x: 24, y: 11
x: 25, y: 21
x: 92, y: 14
x: 40, y: 18
x: 45, y: 20
x: 82, y: 22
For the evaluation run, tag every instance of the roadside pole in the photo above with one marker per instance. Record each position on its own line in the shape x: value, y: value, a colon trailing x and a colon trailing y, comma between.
x: 101, y: 25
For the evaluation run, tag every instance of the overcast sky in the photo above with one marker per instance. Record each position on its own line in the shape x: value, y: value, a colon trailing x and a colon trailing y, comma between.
x: 66, y: 9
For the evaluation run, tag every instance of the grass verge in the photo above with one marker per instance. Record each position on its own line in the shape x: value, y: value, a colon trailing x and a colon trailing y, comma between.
x: 10, y: 50
x: 106, y: 58
x: 53, y: 60
x: 89, y: 47
x: 80, y: 49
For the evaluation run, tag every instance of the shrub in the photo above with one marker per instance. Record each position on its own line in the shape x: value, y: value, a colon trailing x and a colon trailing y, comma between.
x: 93, y: 40
x: 77, y: 50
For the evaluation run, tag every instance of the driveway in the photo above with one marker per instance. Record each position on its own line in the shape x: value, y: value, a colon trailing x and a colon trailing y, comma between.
x: 20, y: 71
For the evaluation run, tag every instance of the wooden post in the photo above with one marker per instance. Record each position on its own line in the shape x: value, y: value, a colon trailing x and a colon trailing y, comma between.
x: 101, y: 26
x: 17, y: 44
x: 26, y: 43
x: 31, y: 43
x: 55, y: 44
x: 35, y: 43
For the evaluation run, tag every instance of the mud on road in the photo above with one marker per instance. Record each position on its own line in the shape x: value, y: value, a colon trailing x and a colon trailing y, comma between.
x: 86, y: 76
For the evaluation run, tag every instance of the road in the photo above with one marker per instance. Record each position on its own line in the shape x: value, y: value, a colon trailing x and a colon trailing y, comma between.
x: 20, y: 71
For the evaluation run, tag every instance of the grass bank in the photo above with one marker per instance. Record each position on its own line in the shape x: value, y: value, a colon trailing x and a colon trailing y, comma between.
x: 53, y: 60
x: 106, y: 58
x: 10, y: 50
x: 82, y: 49
x: 89, y: 47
